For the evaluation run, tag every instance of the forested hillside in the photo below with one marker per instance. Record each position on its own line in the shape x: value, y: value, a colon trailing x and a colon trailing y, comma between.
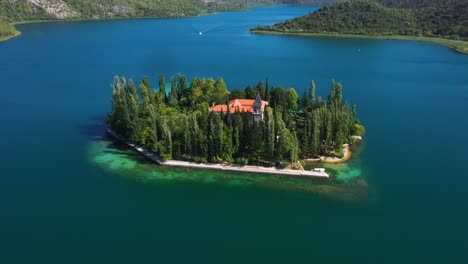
x: 431, y: 18
x: 243, y: 4
x: 20, y: 10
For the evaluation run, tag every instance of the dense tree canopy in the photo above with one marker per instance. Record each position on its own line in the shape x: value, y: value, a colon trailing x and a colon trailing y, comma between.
x: 182, y: 127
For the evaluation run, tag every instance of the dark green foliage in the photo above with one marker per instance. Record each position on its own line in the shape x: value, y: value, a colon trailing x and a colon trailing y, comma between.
x: 229, y: 5
x: 237, y: 94
x: 432, y: 18
x: 183, y: 128
x: 251, y: 92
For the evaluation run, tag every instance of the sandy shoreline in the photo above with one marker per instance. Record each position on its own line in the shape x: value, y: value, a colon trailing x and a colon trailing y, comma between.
x: 213, y: 166
x: 333, y: 160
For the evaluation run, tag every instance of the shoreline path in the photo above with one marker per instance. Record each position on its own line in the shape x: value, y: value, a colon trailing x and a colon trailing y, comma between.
x: 213, y: 166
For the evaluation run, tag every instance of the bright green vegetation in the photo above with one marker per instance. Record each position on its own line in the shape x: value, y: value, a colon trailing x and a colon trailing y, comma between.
x: 7, y: 30
x: 431, y: 19
x: 176, y: 122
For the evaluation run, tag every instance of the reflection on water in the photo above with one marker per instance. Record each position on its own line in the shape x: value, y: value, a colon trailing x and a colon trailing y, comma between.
x: 346, y: 181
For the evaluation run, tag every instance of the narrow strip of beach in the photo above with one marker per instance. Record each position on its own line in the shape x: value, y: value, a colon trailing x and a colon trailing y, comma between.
x: 212, y: 166
x: 459, y: 45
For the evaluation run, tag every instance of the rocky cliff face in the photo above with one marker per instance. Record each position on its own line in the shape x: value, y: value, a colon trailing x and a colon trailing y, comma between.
x: 20, y: 10
x: 57, y: 8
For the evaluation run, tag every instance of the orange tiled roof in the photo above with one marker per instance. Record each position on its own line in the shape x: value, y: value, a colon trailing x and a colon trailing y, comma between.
x: 237, y: 105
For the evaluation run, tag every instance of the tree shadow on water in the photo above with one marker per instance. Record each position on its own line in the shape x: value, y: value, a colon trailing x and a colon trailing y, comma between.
x: 94, y: 128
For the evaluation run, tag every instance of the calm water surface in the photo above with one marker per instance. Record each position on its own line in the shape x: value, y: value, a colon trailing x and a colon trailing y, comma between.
x: 68, y: 195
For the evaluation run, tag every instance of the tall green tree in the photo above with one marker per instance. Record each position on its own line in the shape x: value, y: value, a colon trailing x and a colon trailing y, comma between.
x: 162, y: 87
x: 220, y: 93
x: 304, y: 101
x: 261, y: 90
x: 237, y: 94
x: 312, y: 94
x: 173, y: 99
x: 250, y: 92
x: 293, y: 99
x: 267, y: 90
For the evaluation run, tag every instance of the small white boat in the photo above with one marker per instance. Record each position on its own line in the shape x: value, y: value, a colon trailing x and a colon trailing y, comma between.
x: 200, y: 33
x: 319, y: 170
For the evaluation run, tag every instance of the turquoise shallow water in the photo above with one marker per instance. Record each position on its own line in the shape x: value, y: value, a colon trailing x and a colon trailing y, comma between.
x: 69, y: 196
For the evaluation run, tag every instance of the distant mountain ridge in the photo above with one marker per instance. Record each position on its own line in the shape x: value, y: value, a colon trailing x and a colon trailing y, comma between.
x: 22, y: 10
x: 430, y: 18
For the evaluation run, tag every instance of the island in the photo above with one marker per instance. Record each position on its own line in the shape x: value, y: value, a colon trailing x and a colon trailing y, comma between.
x: 257, y: 129
x: 436, y: 21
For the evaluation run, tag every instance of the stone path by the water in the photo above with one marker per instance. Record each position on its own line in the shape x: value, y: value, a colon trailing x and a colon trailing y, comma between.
x: 252, y: 169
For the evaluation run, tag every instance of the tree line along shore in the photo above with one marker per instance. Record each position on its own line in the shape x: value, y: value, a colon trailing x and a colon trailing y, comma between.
x: 436, y: 21
x: 25, y: 11
x: 202, y: 121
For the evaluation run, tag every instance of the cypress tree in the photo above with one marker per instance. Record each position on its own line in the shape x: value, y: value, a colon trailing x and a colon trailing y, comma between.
x: 162, y: 87
x: 270, y: 134
x: 315, y: 137
x: 267, y: 90
x: 312, y: 95
x: 261, y: 90
x: 132, y: 103
x: 304, y: 101
x: 182, y: 85
x: 173, y: 99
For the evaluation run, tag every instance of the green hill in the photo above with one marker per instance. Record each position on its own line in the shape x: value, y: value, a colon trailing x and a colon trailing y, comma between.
x: 354, y: 17
x: 21, y: 10
x: 229, y: 5
x: 439, y: 21
x: 447, y: 19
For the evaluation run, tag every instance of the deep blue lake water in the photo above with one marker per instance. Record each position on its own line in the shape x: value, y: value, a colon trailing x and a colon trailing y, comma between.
x: 67, y: 196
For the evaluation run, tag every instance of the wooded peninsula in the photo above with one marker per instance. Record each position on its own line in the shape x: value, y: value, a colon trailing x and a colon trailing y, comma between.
x: 437, y: 21
x: 202, y: 121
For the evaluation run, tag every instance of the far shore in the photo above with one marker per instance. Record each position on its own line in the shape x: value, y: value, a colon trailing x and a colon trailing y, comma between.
x: 105, y: 19
x: 90, y: 20
x: 216, y: 166
x: 459, y: 45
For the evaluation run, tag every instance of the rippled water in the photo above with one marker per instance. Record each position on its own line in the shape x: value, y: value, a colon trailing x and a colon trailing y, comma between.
x: 69, y: 195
